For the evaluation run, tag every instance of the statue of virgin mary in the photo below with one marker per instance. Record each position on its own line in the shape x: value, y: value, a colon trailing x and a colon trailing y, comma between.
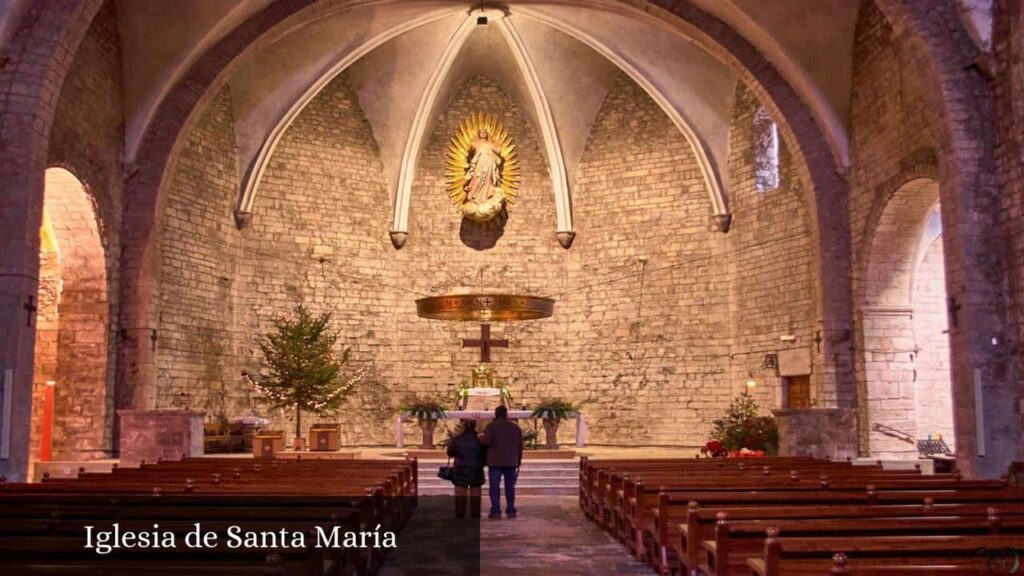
x: 482, y: 176
x: 484, y: 196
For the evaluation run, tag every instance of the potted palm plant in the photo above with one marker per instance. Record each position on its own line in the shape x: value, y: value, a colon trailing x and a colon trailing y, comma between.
x: 552, y: 412
x: 427, y: 413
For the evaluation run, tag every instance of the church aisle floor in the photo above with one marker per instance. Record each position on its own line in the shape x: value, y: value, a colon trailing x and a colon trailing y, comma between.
x: 551, y: 536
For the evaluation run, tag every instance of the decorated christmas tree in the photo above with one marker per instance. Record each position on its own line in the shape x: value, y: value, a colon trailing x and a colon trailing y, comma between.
x: 744, y: 427
x: 302, y: 371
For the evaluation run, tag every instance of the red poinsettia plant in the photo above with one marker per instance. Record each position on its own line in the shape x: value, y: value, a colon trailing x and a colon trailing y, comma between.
x: 714, y: 449
x: 744, y: 431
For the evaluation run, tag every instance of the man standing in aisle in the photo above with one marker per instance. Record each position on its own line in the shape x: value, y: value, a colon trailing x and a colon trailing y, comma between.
x: 504, y: 440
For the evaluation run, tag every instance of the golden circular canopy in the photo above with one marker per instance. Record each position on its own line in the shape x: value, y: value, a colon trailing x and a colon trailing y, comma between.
x: 485, y: 307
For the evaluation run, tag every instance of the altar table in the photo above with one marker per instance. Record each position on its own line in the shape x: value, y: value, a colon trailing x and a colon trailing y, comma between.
x: 581, y: 423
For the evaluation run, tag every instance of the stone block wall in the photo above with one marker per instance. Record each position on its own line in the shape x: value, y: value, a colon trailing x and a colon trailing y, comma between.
x: 319, y: 236
x: 648, y: 293
x: 86, y: 139
x: 199, y: 259
x: 447, y: 254
x: 932, y: 387
x: 46, y: 359
x: 769, y: 263
x: 1008, y: 47
x: 644, y: 323
x: 892, y: 144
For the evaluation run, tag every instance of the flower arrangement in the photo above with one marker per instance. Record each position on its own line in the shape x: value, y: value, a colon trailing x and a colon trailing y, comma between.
x: 713, y: 449
x: 743, y: 431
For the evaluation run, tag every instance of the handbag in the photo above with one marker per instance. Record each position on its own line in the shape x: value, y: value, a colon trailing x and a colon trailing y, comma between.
x: 446, y: 472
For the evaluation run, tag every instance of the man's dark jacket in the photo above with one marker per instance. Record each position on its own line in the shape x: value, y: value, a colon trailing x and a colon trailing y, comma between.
x: 504, y: 440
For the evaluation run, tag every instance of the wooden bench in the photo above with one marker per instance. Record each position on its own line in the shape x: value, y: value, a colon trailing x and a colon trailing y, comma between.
x: 666, y: 512
x: 43, y: 525
x: 735, y: 542
x: 878, y: 555
x: 688, y: 538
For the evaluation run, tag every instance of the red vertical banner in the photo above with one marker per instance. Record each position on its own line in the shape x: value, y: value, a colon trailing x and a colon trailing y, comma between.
x: 46, y: 434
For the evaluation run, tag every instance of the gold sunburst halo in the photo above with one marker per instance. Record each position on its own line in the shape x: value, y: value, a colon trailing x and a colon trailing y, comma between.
x: 459, y: 160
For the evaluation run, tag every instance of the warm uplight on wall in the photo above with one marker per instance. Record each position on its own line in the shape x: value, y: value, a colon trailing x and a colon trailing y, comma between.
x: 751, y: 383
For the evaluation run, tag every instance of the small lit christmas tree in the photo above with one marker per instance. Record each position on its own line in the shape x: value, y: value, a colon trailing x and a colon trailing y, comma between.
x: 302, y: 370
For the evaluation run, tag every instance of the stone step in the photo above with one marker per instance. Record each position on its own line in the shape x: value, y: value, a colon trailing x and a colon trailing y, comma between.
x: 521, y: 490
x: 540, y: 478
x: 530, y: 471
x: 564, y: 455
x: 523, y: 473
x: 552, y: 464
x: 535, y: 479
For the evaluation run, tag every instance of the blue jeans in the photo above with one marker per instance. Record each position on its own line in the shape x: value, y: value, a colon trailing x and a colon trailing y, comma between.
x: 494, y: 474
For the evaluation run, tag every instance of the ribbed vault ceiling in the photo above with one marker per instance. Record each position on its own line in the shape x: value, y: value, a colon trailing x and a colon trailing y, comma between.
x: 556, y: 59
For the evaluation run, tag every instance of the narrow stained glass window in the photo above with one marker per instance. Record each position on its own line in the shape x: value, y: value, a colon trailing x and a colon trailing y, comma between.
x: 766, y: 152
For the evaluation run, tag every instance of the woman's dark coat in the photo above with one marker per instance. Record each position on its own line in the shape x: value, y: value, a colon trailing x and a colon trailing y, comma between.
x: 470, y: 456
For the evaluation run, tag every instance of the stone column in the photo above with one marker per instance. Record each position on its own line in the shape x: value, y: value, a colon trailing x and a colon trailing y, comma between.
x: 16, y: 356
x: 42, y: 48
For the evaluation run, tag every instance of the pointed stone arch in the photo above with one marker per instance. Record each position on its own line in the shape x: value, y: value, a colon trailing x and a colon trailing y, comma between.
x: 72, y: 402
x: 904, y: 348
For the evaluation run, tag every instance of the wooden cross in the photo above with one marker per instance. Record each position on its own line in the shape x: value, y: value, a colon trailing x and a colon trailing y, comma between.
x: 30, y: 309
x: 954, y: 310
x: 484, y: 343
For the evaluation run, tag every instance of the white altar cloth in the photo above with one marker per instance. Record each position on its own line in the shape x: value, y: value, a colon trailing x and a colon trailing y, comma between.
x: 581, y: 423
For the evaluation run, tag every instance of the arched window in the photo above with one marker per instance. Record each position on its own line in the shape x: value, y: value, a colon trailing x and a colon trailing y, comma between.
x: 766, y: 152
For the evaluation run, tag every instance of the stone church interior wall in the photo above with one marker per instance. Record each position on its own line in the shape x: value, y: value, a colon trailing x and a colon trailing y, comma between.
x: 660, y: 319
x: 650, y: 310
x: 892, y: 156
x: 76, y: 341
x: 642, y: 333
x: 770, y: 263
x: 1009, y: 102
x: 319, y: 236
x: 932, y: 396
x: 199, y: 256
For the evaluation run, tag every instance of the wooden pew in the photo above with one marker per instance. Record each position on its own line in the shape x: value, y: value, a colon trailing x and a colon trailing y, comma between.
x: 646, y: 504
x: 701, y: 523
x: 878, y: 555
x: 653, y: 543
x: 45, y: 523
x: 737, y: 541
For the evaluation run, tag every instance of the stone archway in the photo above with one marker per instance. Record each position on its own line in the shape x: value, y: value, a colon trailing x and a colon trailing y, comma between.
x: 904, y: 354
x: 42, y: 49
x: 959, y: 104
x: 70, y: 398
